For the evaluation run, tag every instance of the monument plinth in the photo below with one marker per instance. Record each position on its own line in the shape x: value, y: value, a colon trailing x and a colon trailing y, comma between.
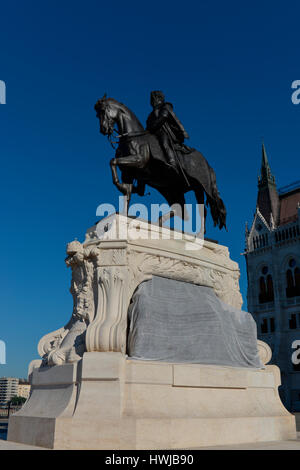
x: 88, y: 393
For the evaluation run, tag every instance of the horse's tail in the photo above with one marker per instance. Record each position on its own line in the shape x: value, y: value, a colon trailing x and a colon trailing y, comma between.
x: 216, y: 204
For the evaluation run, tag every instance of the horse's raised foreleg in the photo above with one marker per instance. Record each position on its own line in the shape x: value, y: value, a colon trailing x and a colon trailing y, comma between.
x: 138, y: 159
x: 125, y: 188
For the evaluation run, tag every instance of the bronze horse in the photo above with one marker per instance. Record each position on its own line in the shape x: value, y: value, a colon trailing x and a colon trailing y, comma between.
x: 141, y: 159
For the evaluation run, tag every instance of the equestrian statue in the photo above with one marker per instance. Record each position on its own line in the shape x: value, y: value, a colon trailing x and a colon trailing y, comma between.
x: 157, y: 156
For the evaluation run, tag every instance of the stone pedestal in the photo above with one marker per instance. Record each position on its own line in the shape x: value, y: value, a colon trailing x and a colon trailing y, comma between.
x: 107, y: 401
x: 86, y: 392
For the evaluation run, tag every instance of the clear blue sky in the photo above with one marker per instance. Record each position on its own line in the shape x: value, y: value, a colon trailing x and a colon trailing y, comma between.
x: 226, y: 66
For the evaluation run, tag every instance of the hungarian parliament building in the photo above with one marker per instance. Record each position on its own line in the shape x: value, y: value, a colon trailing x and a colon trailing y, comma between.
x: 273, y: 270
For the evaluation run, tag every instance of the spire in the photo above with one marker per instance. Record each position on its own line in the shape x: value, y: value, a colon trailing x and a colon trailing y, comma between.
x: 267, y: 198
x: 247, y: 233
x: 266, y: 176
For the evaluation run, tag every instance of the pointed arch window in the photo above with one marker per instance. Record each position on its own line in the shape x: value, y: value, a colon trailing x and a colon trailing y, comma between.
x: 289, y: 279
x: 266, y: 288
x: 297, y: 280
x: 262, y: 290
x: 292, y: 279
x: 270, y: 288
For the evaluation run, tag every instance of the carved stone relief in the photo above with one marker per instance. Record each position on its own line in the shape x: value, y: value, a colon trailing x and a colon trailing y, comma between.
x: 105, y: 274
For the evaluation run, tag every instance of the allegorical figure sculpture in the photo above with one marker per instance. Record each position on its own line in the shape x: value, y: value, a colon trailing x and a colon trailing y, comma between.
x: 158, y: 157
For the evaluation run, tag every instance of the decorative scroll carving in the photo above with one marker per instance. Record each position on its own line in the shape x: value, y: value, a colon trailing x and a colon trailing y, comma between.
x: 145, y: 265
x: 264, y: 351
x: 108, y: 330
x: 226, y: 285
x: 113, y: 257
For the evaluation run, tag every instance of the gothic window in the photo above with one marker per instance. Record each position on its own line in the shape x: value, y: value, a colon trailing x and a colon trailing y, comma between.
x: 270, y: 289
x: 292, y: 279
x: 289, y: 283
x: 296, y: 367
x: 262, y: 290
x: 264, y: 326
x: 267, y: 325
x: 266, y: 289
x: 293, y: 322
x: 272, y: 325
x: 297, y: 280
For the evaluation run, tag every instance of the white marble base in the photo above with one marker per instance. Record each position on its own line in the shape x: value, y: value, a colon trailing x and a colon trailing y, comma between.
x: 106, y: 401
x: 89, y: 395
x: 116, y: 256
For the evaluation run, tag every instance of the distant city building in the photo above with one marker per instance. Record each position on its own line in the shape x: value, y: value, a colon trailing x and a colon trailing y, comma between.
x: 23, y: 389
x: 273, y: 270
x: 8, y: 389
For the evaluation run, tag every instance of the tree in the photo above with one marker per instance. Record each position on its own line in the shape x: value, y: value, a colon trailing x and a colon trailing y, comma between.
x: 17, y: 401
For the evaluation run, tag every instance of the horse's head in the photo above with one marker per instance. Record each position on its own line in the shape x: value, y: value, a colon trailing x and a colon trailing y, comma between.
x: 107, y: 112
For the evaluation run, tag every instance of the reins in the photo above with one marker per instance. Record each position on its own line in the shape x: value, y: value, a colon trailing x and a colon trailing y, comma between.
x: 125, y: 136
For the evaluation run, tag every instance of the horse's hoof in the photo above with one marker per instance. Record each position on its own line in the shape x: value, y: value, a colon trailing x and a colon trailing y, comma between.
x: 125, y: 188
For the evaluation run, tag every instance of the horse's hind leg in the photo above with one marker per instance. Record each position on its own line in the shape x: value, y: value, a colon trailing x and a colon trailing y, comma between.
x: 177, y: 207
x: 199, y: 193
